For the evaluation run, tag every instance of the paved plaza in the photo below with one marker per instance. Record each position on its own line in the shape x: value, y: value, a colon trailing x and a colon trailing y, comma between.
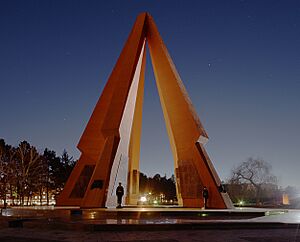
x: 150, y: 224
x: 234, y: 235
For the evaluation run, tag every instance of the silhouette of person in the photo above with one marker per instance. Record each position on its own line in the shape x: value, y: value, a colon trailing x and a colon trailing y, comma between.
x: 205, y: 196
x: 120, y: 193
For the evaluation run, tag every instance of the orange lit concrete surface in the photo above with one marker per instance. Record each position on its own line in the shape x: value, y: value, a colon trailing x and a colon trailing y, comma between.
x: 110, y: 144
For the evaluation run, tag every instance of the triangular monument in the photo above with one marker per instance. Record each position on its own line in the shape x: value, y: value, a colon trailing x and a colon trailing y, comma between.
x: 110, y: 144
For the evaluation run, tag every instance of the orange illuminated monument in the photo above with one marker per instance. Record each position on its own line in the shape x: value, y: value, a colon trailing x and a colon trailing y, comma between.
x: 110, y: 144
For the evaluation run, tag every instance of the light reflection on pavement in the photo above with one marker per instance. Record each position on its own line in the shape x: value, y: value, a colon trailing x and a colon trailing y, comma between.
x: 156, y: 215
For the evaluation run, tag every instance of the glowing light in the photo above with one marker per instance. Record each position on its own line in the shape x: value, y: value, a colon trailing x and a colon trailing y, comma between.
x: 241, y: 202
x: 155, y: 202
x: 143, y: 199
x: 92, y: 215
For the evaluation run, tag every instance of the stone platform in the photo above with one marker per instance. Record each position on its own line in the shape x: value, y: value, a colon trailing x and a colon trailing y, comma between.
x: 155, y: 218
x: 150, y: 224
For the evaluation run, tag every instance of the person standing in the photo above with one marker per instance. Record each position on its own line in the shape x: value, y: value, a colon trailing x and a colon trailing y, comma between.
x: 120, y: 193
x: 205, y: 196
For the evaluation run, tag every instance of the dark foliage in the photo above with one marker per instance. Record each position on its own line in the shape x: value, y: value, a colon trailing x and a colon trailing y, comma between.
x: 158, y: 185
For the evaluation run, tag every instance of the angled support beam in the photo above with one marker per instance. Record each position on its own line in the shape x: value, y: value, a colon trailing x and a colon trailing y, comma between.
x: 99, y: 142
x: 184, y: 129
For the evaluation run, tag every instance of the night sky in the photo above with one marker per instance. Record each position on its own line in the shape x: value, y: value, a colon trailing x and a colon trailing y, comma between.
x: 239, y: 61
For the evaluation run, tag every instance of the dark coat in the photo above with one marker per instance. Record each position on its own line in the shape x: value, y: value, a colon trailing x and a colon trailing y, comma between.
x: 205, y: 193
x: 120, y: 191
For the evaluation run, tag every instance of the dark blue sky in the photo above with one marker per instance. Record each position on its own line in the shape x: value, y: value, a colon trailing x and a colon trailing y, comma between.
x: 239, y: 60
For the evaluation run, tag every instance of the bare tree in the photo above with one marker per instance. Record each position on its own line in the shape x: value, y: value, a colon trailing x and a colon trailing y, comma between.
x: 7, y: 165
x: 28, y: 165
x: 25, y: 173
x: 256, y: 172
x: 3, y: 170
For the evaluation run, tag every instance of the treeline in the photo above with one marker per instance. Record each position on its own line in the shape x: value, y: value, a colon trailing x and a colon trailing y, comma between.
x: 25, y: 173
x: 159, y: 186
